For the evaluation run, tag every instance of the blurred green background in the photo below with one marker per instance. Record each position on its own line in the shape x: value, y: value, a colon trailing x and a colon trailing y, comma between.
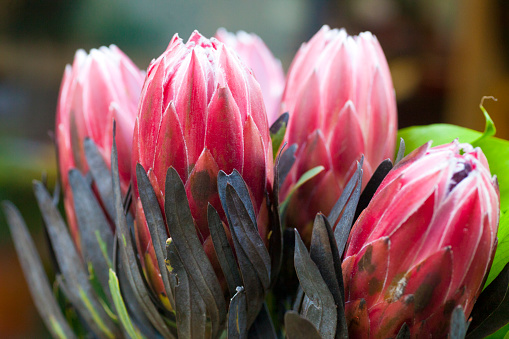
x: 444, y: 56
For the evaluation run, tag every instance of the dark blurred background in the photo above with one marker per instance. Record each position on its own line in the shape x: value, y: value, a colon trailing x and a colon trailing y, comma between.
x: 444, y: 56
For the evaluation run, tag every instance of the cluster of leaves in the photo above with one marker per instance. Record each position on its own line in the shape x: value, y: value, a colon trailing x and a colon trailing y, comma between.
x: 111, y: 298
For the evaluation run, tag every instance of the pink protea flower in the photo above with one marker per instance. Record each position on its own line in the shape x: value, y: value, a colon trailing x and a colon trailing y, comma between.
x: 201, y: 111
x: 341, y: 101
x: 266, y: 68
x: 423, y: 245
x: 99, y: 87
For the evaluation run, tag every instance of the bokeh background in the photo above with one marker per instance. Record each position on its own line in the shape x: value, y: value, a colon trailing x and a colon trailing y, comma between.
x: 444, y: 56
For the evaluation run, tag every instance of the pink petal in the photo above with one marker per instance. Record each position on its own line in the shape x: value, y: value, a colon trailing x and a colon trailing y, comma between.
x: 254, y: 173
x: 191, y: 107
x: 305, y: 117
x: 357, y: 319
x: 235, y: 74
x: 429, y: 282
x: 370, y: 270
x: 201, y: 189
x: 224, y: 132
x: 346, y: 141
x: 386, y: 319
x: 150, y: 115
x: 171, y: 147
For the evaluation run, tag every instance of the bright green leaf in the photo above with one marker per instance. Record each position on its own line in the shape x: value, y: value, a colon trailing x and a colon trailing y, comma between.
x: 303, y: 179
x: 120, y: 307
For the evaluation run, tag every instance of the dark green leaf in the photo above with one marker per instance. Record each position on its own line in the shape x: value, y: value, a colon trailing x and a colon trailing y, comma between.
x: 236, y: 181
x: 82, y: 294
x: 252, y: 256
x: 373, y: 183
x: 322, y: 309
x: 344, y: 224
x: 101, y: 175
x: 277, y: 132
x: 246, y: 232
x: 262, y: 328
x: 339, y: 206
x: 182, y: 229
x: 404, y: 332
x: 237, y: 314
x: 459, y: 326
x: 189, y: 305
x: 155, y: 223
x: 276, y: 229
x: 95, y: 231
x: 491, y: 311
x: 286, y: 163
x: 36, y: 278
x: 223, y: 250
x: 128, y: 255
x: 298, y: 327
x: 324, y: 253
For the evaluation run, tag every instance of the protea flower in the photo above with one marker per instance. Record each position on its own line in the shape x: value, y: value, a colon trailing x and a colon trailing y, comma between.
x: 98, y: 88
x: 341, y: 102
x: 423, y: 245
x: 266, y: 68
x: 201, y: 111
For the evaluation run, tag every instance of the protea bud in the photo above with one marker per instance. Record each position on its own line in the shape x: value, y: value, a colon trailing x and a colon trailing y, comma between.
x: 201, y: 111
x: 266, y: 68
x: 98, y: 88
x: 341, y: 102
x: 423, y: 245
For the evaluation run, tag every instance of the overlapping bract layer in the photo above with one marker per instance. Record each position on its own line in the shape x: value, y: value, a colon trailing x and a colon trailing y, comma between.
x: 424, y: 243
x: 266, y: 68
x: 341, y: 101
x: 201, y: 111
x: 98, y: 88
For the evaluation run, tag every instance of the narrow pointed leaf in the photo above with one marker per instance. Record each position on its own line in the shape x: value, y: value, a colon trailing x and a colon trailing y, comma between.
x: 262, y: 328
x: 128, y: 256
x: 286, y: 162
x: 236, y: 181
x: 324, y: 254
x: 344, y: 224
x: 94, y: 228
x: 189, y: 305
x: 101, y: 175
x: 339, y: 206
x: 491, y: 311
x: 36, y: 278
x: 254, y: 263
x: 155, y: 224
x: 322, y: 311
x: 82, y: 294
x: 183, y: 232
x: 237, y: 315
x: 276, y: 231
x: 223, y: 250
x: 298, y: 327
x: 247, y: 235
x: 404, y: 332
x: 125, y: 320
x: 372, y: 185
x: 302, y: 180
x: 277, y: 131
